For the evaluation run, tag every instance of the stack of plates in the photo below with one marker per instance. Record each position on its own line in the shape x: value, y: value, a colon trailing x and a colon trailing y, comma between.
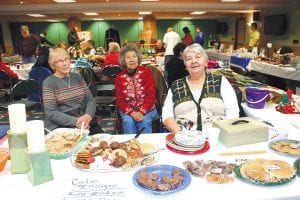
x: 177, y: 146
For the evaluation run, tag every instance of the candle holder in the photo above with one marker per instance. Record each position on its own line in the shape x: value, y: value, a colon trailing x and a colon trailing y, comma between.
x: 40, y: 171
x: 19, y: 163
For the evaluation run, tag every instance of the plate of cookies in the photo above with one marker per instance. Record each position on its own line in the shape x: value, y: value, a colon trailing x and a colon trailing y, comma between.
x: 161, y: 179
x: 265, y: 172
x: 102, y: 153
x: 286, y: 147
x: 61, y: 141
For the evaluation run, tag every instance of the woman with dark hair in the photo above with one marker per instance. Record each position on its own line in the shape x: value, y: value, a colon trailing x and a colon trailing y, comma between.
x: 135, y: 92
x: 175, y: 68
x: 188, y: 39
x: 42, y: 60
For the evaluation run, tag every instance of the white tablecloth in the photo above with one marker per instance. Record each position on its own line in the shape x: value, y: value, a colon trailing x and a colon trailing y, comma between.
x: 217, y: 56
x: 274, y: 70
x: 67, y: 179
x: 22, y: 70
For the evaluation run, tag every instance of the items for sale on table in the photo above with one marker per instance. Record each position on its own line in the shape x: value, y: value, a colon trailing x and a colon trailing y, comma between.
x: 241, y: 131
x: 214, y: 171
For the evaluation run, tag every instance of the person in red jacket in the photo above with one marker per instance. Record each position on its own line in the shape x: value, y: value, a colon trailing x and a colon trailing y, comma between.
x: 7, y: 69
x: 188, y: 39
x: 112, y: 58
x: 135, y: 92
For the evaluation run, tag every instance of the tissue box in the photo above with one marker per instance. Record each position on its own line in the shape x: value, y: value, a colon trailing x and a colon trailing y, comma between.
x: 241, y: 131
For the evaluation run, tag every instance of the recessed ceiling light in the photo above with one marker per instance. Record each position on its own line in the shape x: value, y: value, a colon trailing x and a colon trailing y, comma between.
x: 149, y: 0
x: 90, y: 13
x: 65, y: 1
x: 230, y: 0
x: 145, y: 12
x: 140, y: 18
x: 187, y: 18
x: 36, y: 15
x: 198, y: 13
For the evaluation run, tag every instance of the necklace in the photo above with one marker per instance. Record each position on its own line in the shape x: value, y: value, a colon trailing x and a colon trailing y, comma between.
x: 67, y: 84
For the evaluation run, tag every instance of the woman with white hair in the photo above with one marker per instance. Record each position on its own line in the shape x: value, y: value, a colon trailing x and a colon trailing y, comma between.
x: 67, y: 100
x: 200, y: 97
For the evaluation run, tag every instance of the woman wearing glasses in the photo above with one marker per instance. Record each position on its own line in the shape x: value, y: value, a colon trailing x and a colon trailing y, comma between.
x: 66, y: 97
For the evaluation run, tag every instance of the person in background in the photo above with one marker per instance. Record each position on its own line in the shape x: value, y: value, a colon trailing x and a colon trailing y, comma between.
x: 42, y: 60
x: 188, y: 39
x: 125, y: 42
x: 171, y: 38
x: 27, y: 45
x: 90, y: 50
x: 67, y: 100
x: 159, y: 48
x: 7, y: 69
x: 175, y: 68
x: 62, y: 45
x: 254, y: 36
x: 44, y: 40
x: 199, y: 36
x: 112, y: 57
x: 135, y: 92
x: 73, y: 38
x: 200, y: 97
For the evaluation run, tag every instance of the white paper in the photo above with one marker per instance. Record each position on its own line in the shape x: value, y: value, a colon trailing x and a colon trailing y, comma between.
x: 17, y: 118
x: 35, y: 136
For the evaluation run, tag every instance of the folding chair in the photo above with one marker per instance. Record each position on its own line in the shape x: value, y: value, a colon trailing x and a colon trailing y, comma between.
x: 22, y: 90
x: 102, y: 91
x: 39, y: 74
x: 5, y: 83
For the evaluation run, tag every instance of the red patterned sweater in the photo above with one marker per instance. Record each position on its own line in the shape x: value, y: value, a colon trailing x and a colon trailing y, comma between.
x: 135, y: 92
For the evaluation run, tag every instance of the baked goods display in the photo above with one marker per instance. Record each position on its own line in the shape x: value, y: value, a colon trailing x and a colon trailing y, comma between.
x: 219, y: 172
x: 286, y: 147
x: 100, y: 154
x: 161, y: 179
x: 151, y: 180
x: 61, y: 142
x: 266, y: 171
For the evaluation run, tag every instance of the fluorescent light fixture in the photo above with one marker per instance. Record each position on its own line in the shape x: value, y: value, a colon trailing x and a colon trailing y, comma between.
x: 65, y: 1
x: 52, y: 20
x: 90, y: 13
x: 140, y: 18
x: 98, y: 19
x: 145, y: 12
x: 149, y: 0
x: 36, y: 15
x: 230, y: 0
x: 198, y: 12
x: 187, y: 18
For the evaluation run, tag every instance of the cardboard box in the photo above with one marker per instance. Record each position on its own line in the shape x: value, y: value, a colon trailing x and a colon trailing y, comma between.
x: 241, y: 131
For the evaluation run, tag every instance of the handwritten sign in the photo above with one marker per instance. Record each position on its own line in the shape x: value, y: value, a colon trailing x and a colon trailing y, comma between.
x: 93, y: 188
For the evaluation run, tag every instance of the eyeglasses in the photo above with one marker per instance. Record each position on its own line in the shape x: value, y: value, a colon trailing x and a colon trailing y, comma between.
x: 61, y: 61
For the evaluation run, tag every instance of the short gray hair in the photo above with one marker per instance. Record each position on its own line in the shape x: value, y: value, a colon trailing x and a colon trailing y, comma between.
x: 194, y: 48
x: 54, y: 53
x: 125, y: 49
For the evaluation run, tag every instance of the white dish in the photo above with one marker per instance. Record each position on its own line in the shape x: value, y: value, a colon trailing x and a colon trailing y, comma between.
x: 60, y: 142
x: 189, y: 138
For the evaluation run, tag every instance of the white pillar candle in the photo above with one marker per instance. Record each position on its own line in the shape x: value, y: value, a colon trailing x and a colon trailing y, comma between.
x: 35, y: 136
x: 17, y: 118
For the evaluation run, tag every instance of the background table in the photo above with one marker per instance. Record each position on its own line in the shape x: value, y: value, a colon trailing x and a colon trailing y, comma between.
x: 274, y: 70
